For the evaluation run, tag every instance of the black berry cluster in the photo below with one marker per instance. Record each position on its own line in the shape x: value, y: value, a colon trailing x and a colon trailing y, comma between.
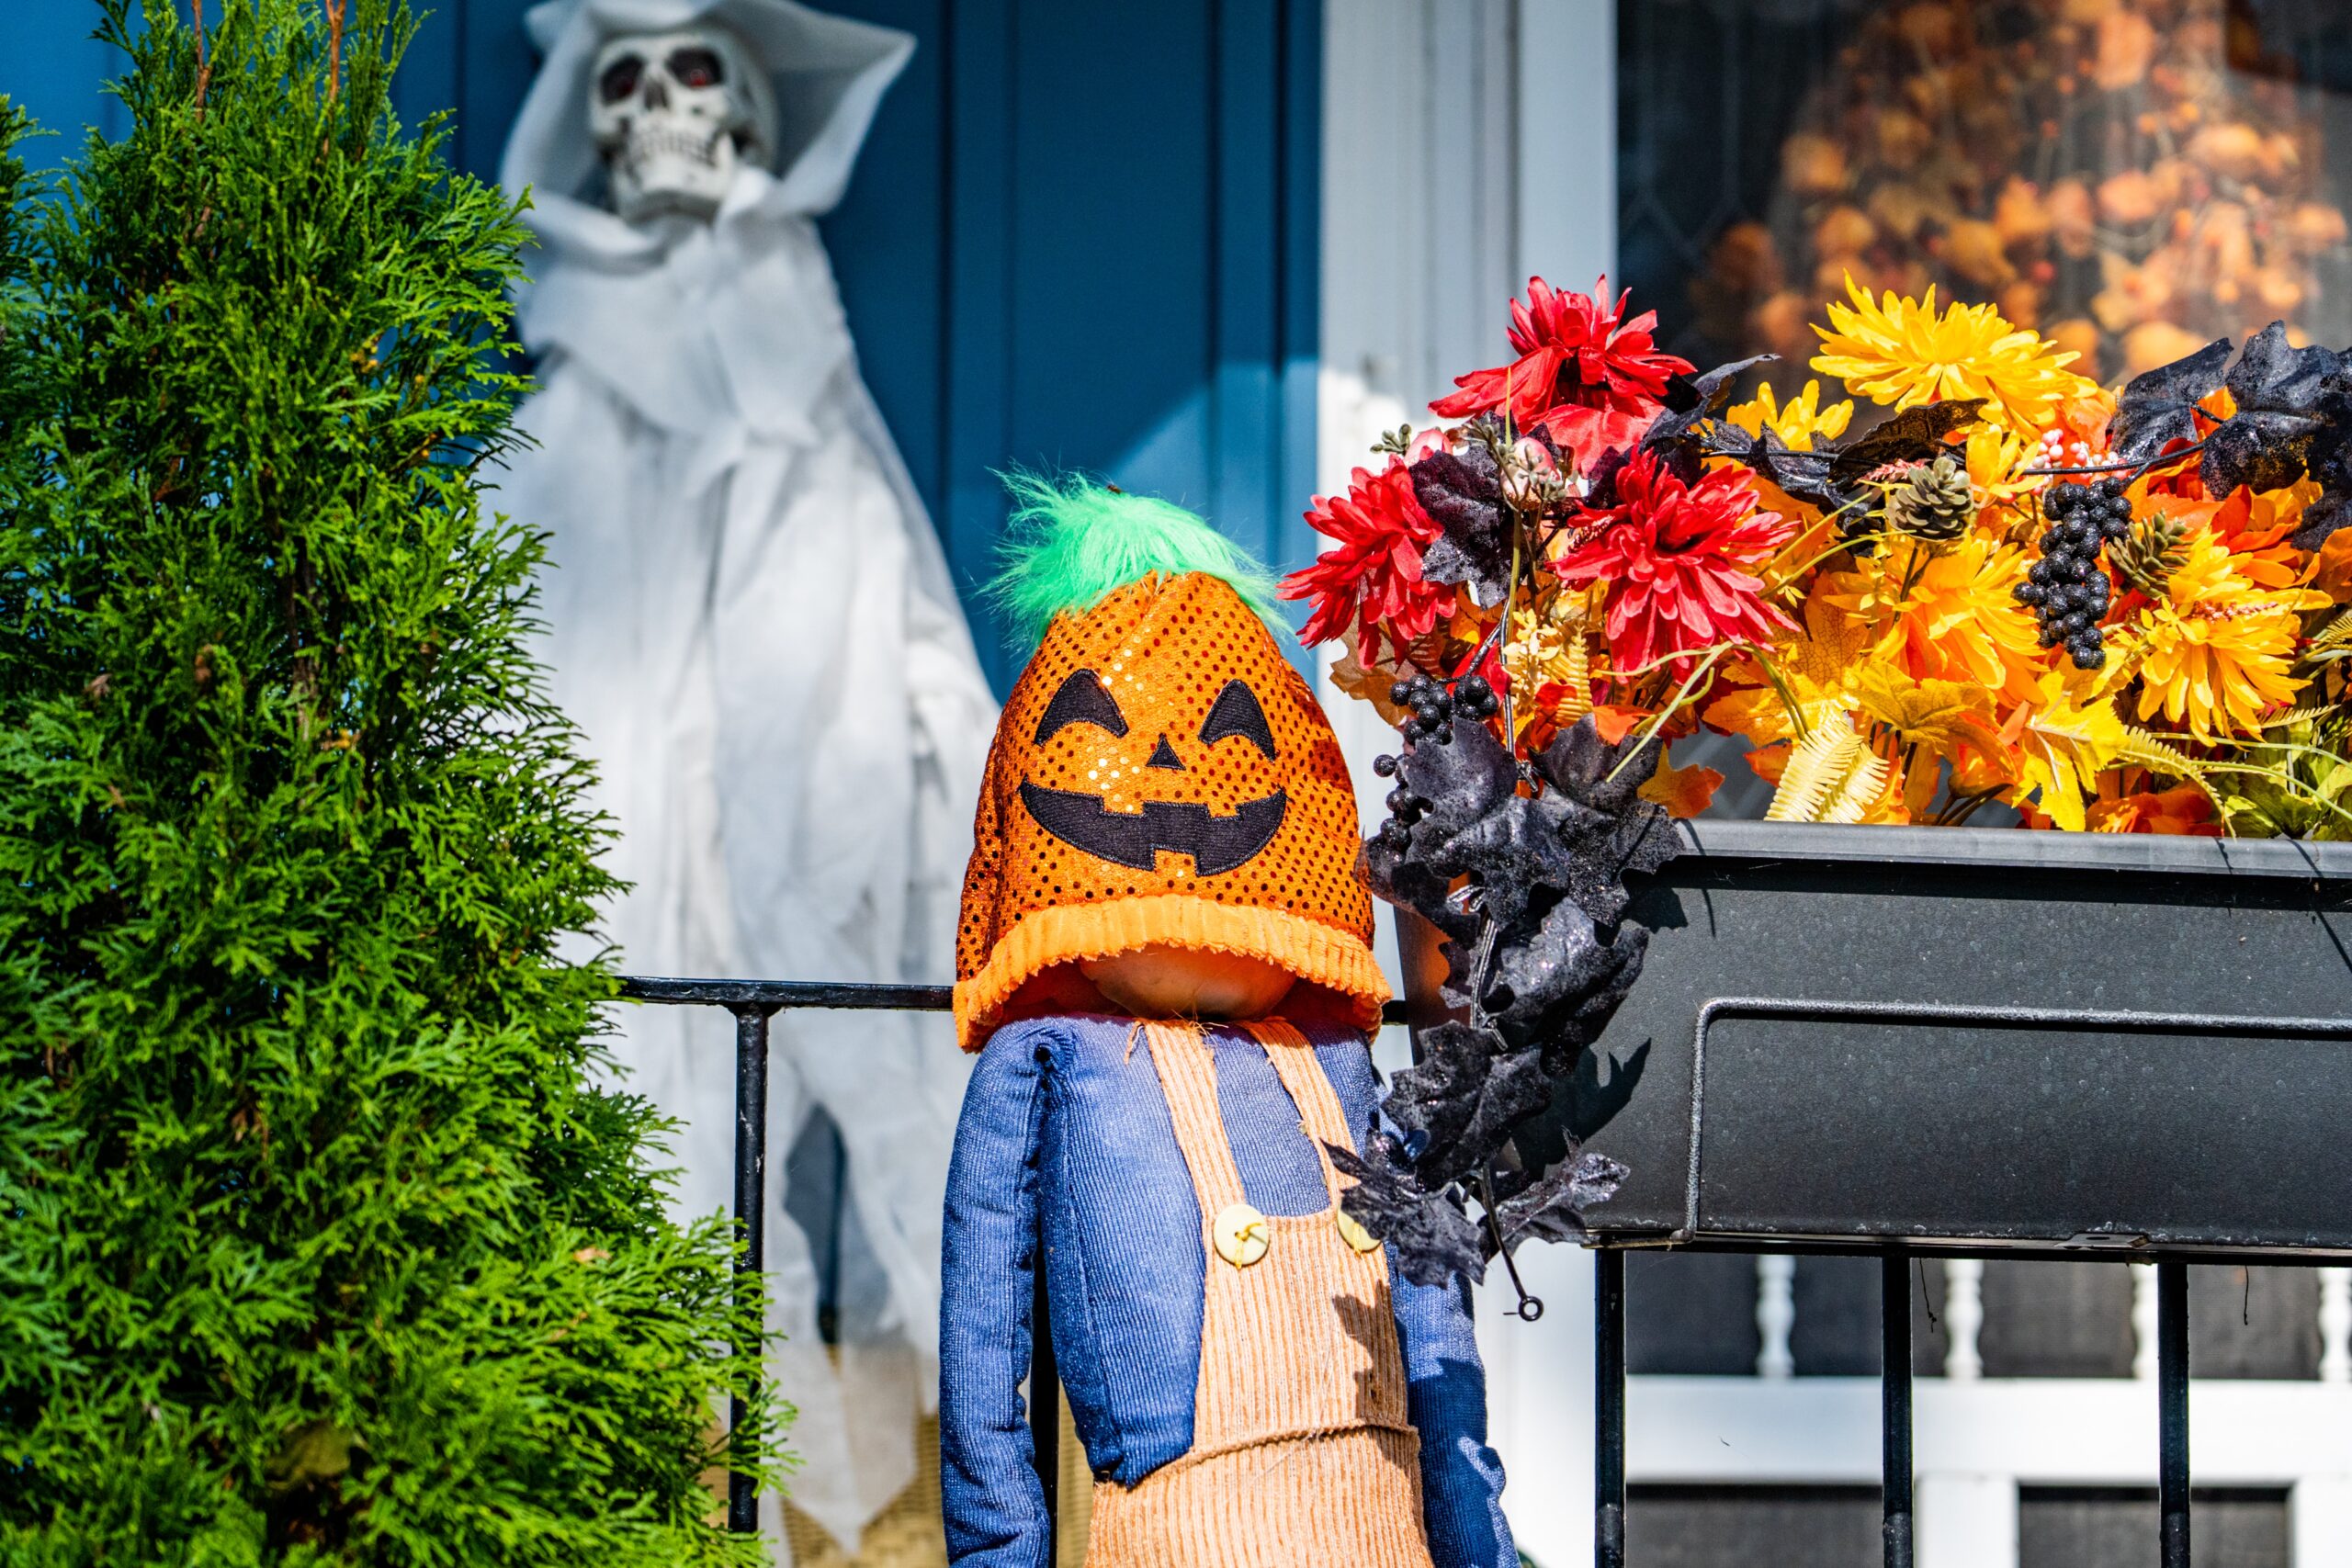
x: 2066, y: 590
x: 1431, y: 711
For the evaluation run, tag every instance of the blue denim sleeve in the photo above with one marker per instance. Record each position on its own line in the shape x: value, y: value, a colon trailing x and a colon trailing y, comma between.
x: 1445, y: 1397
x: 1462, y: 1478
x: 991, y: 1501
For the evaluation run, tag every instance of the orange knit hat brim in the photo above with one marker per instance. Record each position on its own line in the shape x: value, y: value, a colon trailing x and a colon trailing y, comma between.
x: 1320, y: 954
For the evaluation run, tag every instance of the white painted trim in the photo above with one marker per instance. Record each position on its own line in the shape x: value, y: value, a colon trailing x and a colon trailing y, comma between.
x: 1776, y: 1314
x: 2036, y: 1431
x: 1964, y: 1318
x: 1567, y: 140
x: 1965, y: 1521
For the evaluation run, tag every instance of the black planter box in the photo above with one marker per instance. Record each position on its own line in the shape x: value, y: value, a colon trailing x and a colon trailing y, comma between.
x: 2048, y: 1041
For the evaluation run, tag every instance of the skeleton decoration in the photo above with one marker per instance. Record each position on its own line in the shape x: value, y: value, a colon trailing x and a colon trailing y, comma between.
x: 674, y: 115
x: 754, y: 624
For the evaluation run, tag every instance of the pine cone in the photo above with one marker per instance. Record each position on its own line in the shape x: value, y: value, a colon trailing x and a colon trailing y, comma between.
x: 1937, y: 503
x: 2148, y: 555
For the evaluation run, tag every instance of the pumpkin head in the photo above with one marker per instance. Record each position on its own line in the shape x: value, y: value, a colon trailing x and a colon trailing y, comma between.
x: 1163, y: 783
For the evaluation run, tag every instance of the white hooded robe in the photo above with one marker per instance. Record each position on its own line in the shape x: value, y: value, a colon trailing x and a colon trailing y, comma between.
x: 753, y: 623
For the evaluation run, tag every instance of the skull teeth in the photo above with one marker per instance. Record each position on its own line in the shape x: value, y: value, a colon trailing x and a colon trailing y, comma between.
x: 646, y: 142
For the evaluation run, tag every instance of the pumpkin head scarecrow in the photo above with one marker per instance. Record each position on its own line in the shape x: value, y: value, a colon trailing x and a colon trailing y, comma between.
x: 1165, y: 963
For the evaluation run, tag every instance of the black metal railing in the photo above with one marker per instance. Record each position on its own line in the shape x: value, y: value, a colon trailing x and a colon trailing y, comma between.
x: 1894, y: 1401
x: 755, y: 1002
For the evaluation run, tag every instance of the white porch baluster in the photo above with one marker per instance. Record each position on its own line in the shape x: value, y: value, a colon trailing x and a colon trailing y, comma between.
x: 2144, y: 1322
x: 1963, y: 1317
x: 1776, y: 1314
x: 2336, y: 1325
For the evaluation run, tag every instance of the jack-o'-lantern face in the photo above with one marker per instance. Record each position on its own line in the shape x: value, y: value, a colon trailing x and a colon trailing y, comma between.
x: 1137, y: 838
x: 1162, y: 777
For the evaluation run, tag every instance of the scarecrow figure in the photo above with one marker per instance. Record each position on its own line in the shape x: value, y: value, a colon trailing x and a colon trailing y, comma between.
x: 753, y: 623
x: 1165, y: 963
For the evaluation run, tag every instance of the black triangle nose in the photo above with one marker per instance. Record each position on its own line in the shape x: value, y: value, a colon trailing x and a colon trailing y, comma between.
x: 1164, y: 756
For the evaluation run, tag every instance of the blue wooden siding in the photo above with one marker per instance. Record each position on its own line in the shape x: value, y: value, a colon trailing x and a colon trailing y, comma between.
x: 1083, y: 235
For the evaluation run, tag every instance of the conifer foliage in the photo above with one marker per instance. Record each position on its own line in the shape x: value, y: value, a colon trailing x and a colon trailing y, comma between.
x: 316, y: 1243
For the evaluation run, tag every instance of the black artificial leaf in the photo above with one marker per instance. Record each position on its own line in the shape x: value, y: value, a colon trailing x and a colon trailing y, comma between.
x: 1595, y: 1008
x: 1458, y: 1104
x: 2159, y: 407
x: 1512, y: 851
x: 1516, y: 1087
x: 2324, y: 518
x: 1462, y: 492
x: 2266, y: 443
x: 1542, y: 977
x: 1802, y: 476
x: 1691, y: 404
x: 1600, y: 480
x: 1462, y: 781
x: 1914, y: 435
x: 1432, y: 1240
x: 1553, y: 1208
x: 1643, y: 839
x: 1397, y: 876
x: 1433, y: 1100
x: 1590, y: 772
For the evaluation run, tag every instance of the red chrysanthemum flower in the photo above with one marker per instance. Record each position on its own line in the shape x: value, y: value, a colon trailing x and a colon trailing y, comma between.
x: 1573, y: 351
x: 1372, y: 579
x: 1674, y: 557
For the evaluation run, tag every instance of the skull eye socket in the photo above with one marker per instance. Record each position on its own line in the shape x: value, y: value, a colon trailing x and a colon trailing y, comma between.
x: 1081, y: 699
x: 620, y: 79
x: 694, y: 67
x: 1236, y: 712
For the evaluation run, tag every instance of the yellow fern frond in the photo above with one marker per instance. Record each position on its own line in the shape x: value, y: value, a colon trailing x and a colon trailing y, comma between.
x: 2157, y: 755
x: 1818, y: 767
x: 1861, y: 790
x: 1577, y: 663
x: 2306, y: 714
x: 2337, y: 633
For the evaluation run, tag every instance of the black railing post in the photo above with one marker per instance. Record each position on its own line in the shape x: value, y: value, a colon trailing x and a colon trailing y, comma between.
x: 2171, y: 1411
x: 750, y: 1212
x: 1045, y: 1408
x: 1609, y: 1409
x: 1895, y: 1405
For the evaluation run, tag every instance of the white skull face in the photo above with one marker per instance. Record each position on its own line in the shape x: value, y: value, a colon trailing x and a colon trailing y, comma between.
x: 674, y: 115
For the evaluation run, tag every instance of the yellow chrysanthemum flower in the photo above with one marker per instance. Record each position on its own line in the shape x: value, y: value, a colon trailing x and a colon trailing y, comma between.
x: 1796, y: 422
x: 1901, y: 353
x: 1997, y: 457
x: 2219, y: 648
x: 1946, y: 613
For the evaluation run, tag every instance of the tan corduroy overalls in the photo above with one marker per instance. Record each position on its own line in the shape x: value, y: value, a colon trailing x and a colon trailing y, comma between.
x: 1302, y: 1456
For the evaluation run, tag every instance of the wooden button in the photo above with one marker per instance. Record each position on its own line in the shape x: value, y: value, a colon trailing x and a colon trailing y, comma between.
x: 1354, y: 1235
x: 1241, y: 1235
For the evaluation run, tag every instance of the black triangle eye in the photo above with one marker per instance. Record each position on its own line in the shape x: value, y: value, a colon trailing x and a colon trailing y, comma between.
x: 1236, y: 712
x: 1081, y: 699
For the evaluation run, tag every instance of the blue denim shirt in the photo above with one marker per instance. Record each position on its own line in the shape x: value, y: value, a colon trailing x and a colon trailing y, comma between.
x: 1065, y: 1134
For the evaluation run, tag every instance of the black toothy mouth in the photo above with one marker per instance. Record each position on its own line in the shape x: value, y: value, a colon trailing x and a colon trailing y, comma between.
x: 1181, y: 826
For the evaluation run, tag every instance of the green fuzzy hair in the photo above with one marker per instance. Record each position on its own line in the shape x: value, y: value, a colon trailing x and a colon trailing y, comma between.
x: 1072, y: 543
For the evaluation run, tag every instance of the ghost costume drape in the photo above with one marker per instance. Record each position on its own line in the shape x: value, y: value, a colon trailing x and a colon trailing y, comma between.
x: 749, y: 617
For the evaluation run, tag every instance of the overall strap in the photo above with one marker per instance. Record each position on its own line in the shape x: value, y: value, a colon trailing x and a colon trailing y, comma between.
x: 1321, y: 1115
x: 1188, y: 1080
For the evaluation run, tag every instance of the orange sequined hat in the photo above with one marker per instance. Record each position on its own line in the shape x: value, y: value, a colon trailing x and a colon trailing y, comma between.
x: 1161, y: 776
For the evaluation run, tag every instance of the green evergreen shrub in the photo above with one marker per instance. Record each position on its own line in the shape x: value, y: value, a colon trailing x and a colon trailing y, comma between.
x: 318, y: 1245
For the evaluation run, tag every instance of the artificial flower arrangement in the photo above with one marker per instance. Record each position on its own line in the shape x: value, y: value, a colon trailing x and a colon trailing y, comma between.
x: 2115, y: 612
x: 2120, y: 612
